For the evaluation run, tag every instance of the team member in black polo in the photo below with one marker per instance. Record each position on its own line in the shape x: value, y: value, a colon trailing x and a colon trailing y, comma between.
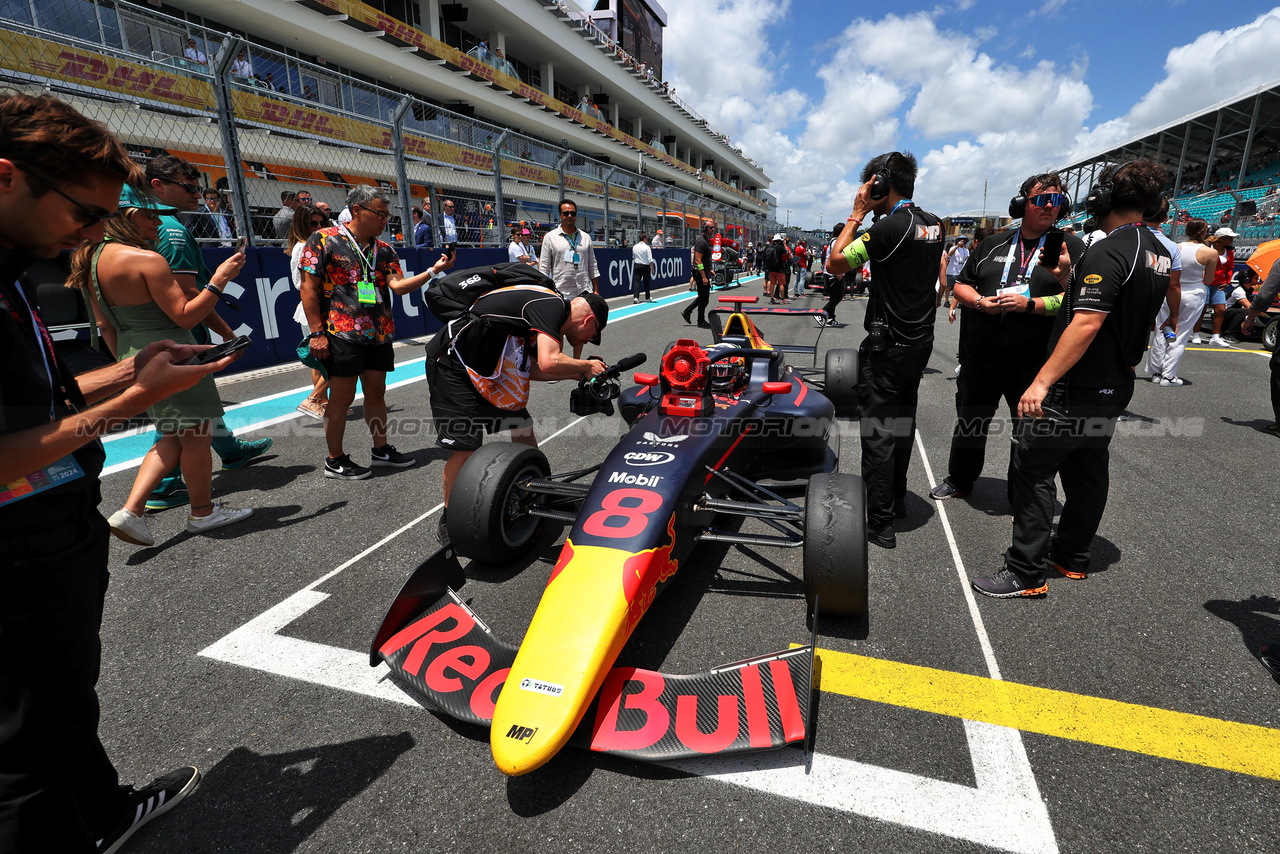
x: 905, y: 250
x: 479, y: 366
x: 701, y: 274
x: 1008, y: 301
x: 1099, y: 336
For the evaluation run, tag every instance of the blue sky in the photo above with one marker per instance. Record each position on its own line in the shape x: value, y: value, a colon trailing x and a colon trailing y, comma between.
x: 976, y: 89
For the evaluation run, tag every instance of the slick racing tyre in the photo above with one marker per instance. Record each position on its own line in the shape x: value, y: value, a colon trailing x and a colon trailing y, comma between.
x: 841, y: 381
x: 835, y: 545
x: 488, y: 517
x: 1270, y: 334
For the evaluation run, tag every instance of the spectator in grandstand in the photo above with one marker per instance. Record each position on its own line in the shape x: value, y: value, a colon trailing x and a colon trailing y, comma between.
x: 1261, y: 302
x: 1008, y: 301
x: 1223, y: 241
x: 270, y: 84
x: 644, y: 268
x: 194, y: 54
x: 348, y: 278
x: 1197, y: 263
x: 1117, y: 289
x: 448, y: 225
x: 60, y: 178
x: 283, y: 220
x: 568, y: 258
x: 308, y: 95
x: 137, y: 302
x: 212, y: 224
x: 172, y: 182
x: 307, y: 220
x: 904, y: 248
x: 242, y: 67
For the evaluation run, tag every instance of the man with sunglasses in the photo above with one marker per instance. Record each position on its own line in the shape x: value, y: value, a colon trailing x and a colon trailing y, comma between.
x: 211, y: 225
x: 175, y: 182
x: 348, y: 277
x: 568, y: 259
x: 1008, y: 301
x: 60, y: 177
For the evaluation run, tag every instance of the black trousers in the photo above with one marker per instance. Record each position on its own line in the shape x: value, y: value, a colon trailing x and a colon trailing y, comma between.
x: 1275, y: 384
x: 978, y: 391
x: 835, y: 293
x: 642, y: 274
x: 888, y: 390
x: 58, y: 790
x: 1078, y: 452
x: 704, y: 296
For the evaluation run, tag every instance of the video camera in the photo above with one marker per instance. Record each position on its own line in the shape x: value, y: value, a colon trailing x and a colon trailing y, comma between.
x: 598, y: 393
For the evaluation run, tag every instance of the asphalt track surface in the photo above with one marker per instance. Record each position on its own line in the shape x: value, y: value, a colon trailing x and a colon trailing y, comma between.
x: 1126, y: 712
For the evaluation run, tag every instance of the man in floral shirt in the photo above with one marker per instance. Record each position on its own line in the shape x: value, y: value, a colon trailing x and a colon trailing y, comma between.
x: 348, y: 278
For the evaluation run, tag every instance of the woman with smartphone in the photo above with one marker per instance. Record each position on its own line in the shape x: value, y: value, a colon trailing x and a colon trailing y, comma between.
x: 307, y: 219
x: 136, y: 301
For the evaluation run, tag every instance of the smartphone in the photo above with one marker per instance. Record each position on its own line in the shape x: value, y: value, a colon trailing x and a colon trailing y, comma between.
x: 1052, y: 249
x: 242, y: 244
x: 215, y: 353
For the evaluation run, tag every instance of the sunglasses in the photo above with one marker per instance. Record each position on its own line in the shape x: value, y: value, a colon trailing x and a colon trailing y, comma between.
x: 1044, y: 200
x: 317, y: 223
x: 88, y: 216
x: 569, y: 213
x: 193, y: 189
x: 381, y: 215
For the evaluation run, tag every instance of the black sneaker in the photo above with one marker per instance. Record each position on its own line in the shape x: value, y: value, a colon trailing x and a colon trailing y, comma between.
x: 685, y: 314
x: 946, y: 490
x: 442, y: 530
x: 343, y: 469
x: 149, y: 802
x: 387, y: 455
x: 882, y: 536
x: 1005, y: 584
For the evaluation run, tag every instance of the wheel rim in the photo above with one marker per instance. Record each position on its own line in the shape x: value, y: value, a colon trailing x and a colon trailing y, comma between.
x: 517, y: 525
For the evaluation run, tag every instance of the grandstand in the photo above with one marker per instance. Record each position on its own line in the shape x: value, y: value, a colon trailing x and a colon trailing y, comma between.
x: 1224, y: 163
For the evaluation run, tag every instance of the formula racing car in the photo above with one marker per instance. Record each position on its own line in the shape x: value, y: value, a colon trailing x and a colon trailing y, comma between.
x: 719, y: 432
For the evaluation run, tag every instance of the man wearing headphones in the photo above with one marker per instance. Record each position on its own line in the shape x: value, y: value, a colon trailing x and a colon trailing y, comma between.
x: 1075, y: 399
x: 701, y: 275
x: 905, y: 250
x: 1008, y: 299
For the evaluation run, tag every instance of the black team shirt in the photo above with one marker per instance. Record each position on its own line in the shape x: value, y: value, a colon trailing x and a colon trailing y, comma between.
x: 1125, y: 275
x: 704, y: 249
x: 905, y: 249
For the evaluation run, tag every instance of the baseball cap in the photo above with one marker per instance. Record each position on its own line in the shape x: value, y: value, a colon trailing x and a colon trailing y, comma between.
x: 601, y: 310
x: 526, y: 231
x: 1222, y: 232
x: 131, y: 198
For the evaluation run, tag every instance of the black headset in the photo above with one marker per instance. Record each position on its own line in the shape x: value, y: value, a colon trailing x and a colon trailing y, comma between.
x: 1099, y: 202
x: 882, y: 181
x: 1018, y: 204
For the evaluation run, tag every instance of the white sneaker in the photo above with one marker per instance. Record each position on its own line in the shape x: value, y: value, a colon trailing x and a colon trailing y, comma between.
x: 130, y: 528
x: 1218, y: 341
x: 221, y: 515
x: 1195, y: 339
x: 1173, y: 383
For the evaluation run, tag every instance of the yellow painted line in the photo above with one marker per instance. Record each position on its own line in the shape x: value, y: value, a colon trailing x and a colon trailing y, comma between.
x: 1266, y: 353
x: 1243, y: 748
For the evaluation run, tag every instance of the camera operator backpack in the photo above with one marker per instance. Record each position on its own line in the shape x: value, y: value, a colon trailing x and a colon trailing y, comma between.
x: 450, y: 297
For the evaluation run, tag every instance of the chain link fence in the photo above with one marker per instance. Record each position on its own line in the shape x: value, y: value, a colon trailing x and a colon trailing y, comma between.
x: 261, y: 125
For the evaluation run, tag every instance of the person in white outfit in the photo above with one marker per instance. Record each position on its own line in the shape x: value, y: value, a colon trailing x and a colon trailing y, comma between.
x: 1199, y: 263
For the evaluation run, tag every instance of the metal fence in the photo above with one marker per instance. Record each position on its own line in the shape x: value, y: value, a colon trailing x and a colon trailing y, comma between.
x: 165, y: 85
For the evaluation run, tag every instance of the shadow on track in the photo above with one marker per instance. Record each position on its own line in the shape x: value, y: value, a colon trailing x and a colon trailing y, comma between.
x: 1260, y: 633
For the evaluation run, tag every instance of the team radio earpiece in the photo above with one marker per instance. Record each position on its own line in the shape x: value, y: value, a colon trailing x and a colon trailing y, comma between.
x: 882, y: 180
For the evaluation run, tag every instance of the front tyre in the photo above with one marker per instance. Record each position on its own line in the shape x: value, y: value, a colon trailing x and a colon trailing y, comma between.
x: 488, y: 517
x: 835, y: 545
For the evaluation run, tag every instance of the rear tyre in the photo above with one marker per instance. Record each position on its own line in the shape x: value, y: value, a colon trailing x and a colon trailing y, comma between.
x: 488, y: 517
x: 835, y: 545
x: 841, y: 381
x: 1270, y: 334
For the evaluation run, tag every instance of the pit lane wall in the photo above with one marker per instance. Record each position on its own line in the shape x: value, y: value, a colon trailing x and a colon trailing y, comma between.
x: 267, y: 298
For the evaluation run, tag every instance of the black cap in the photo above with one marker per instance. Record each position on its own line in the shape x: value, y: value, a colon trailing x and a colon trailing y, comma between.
x: 601, y: 310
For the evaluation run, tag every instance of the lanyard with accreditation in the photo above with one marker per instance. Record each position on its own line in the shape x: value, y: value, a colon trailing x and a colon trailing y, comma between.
x: 1026, y: 263
x: 366, y: 290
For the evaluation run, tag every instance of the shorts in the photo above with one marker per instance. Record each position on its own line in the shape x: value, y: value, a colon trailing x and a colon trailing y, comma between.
x: 349, y: 359
x: 1217, y: 296
x: 461, y: 414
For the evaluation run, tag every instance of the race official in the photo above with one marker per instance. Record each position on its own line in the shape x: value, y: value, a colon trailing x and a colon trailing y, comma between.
x: 60, y: 177
x: 568, y: 259
x: 701, y: 275
x: 479, y: 366
x: 1070, y: 409
x: 905, y: 250
x: 1008, y: 301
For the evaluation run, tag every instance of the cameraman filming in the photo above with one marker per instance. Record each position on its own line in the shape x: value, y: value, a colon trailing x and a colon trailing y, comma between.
x: 479, y: 366
x: 905, y: 251
x: 1099, y: 336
